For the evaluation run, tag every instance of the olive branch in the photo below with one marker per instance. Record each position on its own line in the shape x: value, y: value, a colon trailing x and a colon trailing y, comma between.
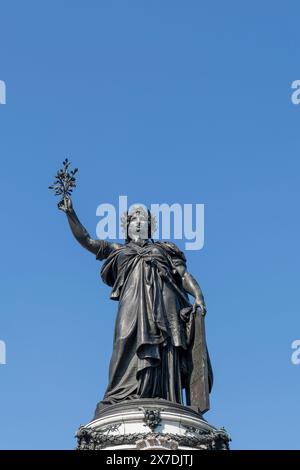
x: 64, y: 181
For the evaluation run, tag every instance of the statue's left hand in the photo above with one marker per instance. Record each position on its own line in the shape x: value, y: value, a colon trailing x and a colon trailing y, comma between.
x: 199, y: 304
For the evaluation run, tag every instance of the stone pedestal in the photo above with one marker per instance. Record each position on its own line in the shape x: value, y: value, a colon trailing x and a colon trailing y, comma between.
x: 150, y: 424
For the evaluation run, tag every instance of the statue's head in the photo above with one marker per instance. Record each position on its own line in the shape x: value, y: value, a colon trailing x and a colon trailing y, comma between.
x: 138, y: 223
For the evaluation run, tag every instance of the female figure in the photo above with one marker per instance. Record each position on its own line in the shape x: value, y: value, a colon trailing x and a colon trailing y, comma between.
x: 155, y: 326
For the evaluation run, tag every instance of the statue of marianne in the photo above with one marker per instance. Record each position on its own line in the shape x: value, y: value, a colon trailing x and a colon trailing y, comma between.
x: 159, y: 346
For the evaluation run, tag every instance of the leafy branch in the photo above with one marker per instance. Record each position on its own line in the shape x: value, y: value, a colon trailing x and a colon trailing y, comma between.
x: 64, y: 181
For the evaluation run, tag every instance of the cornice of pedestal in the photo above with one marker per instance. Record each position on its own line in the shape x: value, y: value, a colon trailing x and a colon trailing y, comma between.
x: 141, y: 424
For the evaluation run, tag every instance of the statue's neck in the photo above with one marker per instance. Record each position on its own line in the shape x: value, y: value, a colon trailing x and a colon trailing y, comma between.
x: 139, y: 241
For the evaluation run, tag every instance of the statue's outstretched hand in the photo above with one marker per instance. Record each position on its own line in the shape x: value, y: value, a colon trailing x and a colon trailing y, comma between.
x: 65, y: 204
x: 199, y: 304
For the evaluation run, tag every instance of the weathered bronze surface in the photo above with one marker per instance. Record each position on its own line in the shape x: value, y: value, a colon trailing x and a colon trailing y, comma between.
x: 159, y: 342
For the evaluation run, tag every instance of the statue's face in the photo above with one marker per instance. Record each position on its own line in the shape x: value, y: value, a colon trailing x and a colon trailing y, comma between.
x: 138, y: 226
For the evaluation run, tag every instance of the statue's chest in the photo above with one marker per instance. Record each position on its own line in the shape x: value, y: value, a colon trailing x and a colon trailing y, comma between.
x: 147, y: 254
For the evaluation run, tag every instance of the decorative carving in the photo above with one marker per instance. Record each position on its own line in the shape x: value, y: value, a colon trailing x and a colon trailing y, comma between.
x: 219, y: 437
x: 89, y: 439
x: 96, y: 440
x: 156, y: 443
x: 151, y: 417
x: 222, y: 439
x: 192, y: 430
x: 110, y: 428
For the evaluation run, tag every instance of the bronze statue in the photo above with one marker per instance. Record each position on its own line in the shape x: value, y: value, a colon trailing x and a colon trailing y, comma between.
x: 159, y: 342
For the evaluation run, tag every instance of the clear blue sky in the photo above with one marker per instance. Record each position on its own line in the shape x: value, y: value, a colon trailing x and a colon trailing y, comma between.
x: 164, y: 101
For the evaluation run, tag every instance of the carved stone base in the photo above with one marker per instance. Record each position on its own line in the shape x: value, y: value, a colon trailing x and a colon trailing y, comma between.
x: 150, y: 424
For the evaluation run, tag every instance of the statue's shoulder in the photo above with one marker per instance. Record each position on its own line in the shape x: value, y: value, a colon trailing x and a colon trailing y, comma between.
x: 106, y: 249
x: 171, y: 249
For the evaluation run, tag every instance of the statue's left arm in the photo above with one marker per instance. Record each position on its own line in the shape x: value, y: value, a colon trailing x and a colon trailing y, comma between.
x: 192, y: 287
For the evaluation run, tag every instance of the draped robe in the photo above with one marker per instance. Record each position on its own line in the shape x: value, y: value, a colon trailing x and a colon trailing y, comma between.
x: 151, y: 349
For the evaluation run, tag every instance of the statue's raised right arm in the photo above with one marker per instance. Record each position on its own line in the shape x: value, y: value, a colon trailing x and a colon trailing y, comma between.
x: 78, y: 230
